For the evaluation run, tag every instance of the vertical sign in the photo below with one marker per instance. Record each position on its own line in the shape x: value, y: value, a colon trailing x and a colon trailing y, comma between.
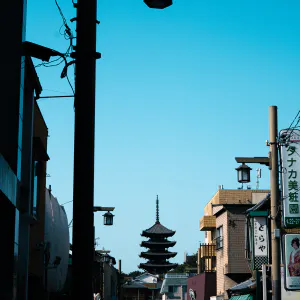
x: 260, y: 237
x: 292, y: 261
x: 290, y: 157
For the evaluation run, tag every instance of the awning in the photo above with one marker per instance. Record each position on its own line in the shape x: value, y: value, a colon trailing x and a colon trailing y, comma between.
x: 242, y: 297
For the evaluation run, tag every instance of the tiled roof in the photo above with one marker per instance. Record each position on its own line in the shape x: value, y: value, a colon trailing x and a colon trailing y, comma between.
x: 140, y: 285
x: 172, y: 282
x: 159, y: 265
x: 242, y: 286
x: 158, y: 229
x: 133, y: 285
x: 166, y: 253
x: 151, y: 243
x: 260, y: 204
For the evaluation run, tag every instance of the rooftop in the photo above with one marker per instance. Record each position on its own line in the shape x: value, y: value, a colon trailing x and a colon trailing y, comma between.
x: 158, y: 229
x: 173, y: 280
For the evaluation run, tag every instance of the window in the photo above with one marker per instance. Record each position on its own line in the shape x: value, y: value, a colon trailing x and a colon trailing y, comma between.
x: 219, y: 238
x: 36, y: 167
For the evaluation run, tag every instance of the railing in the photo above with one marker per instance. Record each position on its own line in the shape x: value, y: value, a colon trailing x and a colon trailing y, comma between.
x: 207, y: 262
x: 207, y: 250
x: 219, y: 242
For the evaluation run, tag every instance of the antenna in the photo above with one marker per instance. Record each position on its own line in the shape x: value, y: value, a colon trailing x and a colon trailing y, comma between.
x: 157, y: 209
x: 258, y: 175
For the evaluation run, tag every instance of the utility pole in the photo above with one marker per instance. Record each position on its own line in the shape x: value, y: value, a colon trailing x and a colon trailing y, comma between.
x: 276, y: 276
x: 83, y: 190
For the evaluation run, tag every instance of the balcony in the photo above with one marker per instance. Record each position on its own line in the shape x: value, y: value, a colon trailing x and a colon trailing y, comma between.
x: 208, y: 223
x: 207, y: 262
x: 207, y: 250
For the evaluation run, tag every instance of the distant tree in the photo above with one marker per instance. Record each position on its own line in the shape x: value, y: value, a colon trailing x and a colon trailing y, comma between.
x: 135, y: 273
x: 179, y: 269
x: 185, y: 267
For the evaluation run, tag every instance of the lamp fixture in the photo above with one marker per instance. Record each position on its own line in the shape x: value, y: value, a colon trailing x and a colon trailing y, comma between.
x: 160, y: 4
x: 243, y: 173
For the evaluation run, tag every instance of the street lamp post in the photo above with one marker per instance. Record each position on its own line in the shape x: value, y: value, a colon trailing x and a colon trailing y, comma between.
x: 84, y: 137
x: 272, y: 162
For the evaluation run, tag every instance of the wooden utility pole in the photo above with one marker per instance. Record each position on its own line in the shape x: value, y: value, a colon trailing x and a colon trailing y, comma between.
x: 83, y: 190
x: 275, y: 204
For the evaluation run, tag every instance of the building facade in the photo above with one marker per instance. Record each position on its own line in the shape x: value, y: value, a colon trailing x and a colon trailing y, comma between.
x: 224, y: 226
x: 202, y: 286
x: 174, y: 287
x: 23, y: 157
x: 142, y: 287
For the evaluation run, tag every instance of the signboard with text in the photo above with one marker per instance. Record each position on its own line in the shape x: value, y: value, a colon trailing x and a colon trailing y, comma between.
x: 260, y: 240
x: 290, y: 159
x: 292, y: 261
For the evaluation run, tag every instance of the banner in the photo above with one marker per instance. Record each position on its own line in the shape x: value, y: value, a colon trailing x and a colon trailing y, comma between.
x: 260, y: 240
x: 290, y: 159
x: 292, y: 261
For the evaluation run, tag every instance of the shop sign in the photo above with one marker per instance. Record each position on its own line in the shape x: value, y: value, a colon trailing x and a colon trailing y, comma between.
x: 260, y: 240
x: 290, y: 169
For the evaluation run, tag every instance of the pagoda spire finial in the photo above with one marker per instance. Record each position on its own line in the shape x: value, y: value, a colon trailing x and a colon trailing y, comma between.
x: 157, y: 209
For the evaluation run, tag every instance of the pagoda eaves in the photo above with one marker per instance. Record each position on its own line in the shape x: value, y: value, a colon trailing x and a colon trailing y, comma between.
x: 157, y: 254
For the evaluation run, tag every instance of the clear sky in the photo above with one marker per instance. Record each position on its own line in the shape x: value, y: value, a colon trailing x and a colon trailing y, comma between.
x: 180, y: 93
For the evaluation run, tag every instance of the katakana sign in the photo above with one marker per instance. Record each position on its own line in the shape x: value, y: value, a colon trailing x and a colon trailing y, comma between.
x: 290, y: 159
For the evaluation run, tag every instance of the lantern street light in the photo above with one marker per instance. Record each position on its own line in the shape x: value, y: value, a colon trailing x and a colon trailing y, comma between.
x: 160, y: 4
x: 108, y: 216
x: 243, y: 173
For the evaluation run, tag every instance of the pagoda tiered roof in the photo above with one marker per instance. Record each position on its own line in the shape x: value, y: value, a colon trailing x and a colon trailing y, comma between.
x: 157, y: 268
x: 158, y: 230
x: 151, y: 244
x: 157, y: 254
x: 153, y: 255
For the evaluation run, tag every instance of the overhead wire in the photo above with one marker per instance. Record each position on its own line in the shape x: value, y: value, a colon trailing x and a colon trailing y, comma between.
x: 287, y: 139
x: 68, y: 35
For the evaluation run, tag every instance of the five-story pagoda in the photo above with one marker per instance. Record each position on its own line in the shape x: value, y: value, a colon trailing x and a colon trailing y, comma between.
x: 158, y: 245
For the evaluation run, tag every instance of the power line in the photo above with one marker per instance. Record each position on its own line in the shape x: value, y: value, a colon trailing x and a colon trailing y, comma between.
x: 294, y: 127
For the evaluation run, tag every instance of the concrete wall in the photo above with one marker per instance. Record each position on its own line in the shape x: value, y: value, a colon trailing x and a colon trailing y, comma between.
x: 222, y: 255
x: 110, y: 282
x: 179, y: 294
x: 231, y: 258
x: 236, y: 236
x: 37, y: 230
x: 203, y: 284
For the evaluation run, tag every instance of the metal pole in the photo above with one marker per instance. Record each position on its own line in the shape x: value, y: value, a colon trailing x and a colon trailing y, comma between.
x: 83, y: 189
x: 103, y: 280
x: 276, y: 286
x: 258, y: 286
x: 264, y: 282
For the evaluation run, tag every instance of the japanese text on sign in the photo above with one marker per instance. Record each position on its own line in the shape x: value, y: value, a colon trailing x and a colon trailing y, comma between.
x: 260, y: 236
x: 291, y: 177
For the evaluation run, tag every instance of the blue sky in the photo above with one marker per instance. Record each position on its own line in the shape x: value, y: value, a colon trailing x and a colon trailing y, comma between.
x: 180, y: 92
